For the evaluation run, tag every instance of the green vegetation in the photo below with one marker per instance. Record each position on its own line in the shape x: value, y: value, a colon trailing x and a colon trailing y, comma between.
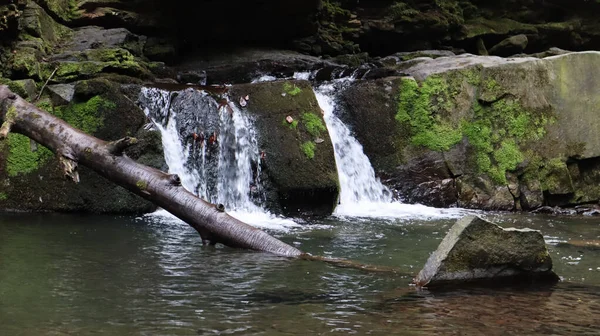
x: 314, y: 124
x: 142, y: 185
x: 86, y: 116
x: 3, y: 196
x: 427, y: 125
x: 21, y: 160
x: 293, y: 125
x: 554, y: 174
x: 308, y: 148
x: 495, y: 131
x: 290, y: 89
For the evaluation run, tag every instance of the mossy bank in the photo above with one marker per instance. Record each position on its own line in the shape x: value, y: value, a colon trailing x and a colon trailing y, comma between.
x: 485, y: 132
x: 31, y: 177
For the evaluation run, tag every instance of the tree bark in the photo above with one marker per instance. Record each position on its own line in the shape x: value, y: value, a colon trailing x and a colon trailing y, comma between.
x: 106, y: 158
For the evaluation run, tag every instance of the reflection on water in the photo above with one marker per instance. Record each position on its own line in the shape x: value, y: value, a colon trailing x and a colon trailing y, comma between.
x: 79, y: 275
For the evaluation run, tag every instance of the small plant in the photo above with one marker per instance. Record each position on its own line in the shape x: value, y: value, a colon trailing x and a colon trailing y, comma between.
x: 3, y: 196
x: 313, y: 123
x: 290, y: 89
x: 293, y: 125
x: 308, y: 148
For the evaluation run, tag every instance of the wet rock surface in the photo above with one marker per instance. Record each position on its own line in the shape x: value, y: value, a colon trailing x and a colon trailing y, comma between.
x: 477, y: 250
x: 298, y: 161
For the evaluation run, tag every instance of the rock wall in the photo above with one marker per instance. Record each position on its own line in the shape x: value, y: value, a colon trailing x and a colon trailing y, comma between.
x: 328, y: 27
x: 485, y: 132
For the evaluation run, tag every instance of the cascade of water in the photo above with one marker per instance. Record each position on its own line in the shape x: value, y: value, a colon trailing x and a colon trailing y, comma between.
x: 219, y: 163
x: 157, y: 106
x: 357, y: 177
x: 239, y: 162
x: 362, y: 194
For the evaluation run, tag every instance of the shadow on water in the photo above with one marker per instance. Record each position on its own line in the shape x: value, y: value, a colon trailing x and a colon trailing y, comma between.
x: 79, y: 275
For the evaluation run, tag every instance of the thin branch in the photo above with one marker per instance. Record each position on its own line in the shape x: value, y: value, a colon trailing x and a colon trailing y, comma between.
x: 45, y: 84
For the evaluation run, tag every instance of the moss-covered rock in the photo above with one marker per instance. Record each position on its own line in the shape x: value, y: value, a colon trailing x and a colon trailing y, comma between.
x: 510, y: 132
x: 477, y: 250
x: 33, y: 180
x: 298, y: 156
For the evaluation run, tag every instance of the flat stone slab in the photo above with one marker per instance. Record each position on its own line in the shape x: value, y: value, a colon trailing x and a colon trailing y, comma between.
x: 477, y: 250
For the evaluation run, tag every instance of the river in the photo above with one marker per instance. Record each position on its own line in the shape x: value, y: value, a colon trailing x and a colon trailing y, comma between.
x: 82, y: 275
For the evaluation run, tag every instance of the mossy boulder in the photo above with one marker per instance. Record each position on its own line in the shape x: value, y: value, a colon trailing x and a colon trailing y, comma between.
x: 31, y: 178
x: 477, y: 250
x: 512, y: 133
x: 298, y: 161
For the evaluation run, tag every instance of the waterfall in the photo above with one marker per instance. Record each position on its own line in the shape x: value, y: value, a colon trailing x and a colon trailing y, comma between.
x: 362, y: 194
x: 214, y: 151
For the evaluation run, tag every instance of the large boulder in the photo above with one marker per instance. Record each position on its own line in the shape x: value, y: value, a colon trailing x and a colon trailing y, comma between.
x: 513, y: 133
x: 477, y: 250
x: 298, y: 162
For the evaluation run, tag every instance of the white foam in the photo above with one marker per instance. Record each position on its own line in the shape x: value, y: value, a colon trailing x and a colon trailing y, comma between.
x: 396, y: 210
x: 264, y: 78
x: 261, y: 220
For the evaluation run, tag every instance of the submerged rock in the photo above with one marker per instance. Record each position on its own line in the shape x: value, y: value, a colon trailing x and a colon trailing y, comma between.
x: 476, y: 250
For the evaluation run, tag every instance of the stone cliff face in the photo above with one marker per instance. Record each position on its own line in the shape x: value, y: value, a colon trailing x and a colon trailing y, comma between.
x: 327, y: 27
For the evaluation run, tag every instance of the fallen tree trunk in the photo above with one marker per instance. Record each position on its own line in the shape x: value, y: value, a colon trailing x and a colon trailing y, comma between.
x: 75, y: 147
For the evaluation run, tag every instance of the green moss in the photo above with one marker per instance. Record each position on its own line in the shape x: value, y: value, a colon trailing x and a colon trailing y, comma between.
x: 95, y: 61
x: 86, y: 116
x: 496, y: 131
x: 24, y: 61
x: 333, y: 9
x: 402, y: 11
x: 313, y: 123
x: 45, y: 105
x: 554, y: 174
x: 118, y: 55
x: 19, y: 88
x: 142, y: 185
x: 293, y: 125
x: 3, y: 196
x: 423, y: 108
x: 291, y: 89
x: 308, y: 148
x: 21, y: 160
x: 11, y: 114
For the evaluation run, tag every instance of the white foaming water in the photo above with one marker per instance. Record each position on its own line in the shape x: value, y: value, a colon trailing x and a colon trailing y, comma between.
x: 238, y: 148
x: 262, y: 220
x: 362, y: 194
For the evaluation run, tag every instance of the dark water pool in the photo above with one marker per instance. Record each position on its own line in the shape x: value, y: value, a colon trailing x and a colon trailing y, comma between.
x: 104, y: 275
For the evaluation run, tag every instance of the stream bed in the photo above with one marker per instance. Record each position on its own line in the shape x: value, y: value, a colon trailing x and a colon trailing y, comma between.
x: 107, y: 275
